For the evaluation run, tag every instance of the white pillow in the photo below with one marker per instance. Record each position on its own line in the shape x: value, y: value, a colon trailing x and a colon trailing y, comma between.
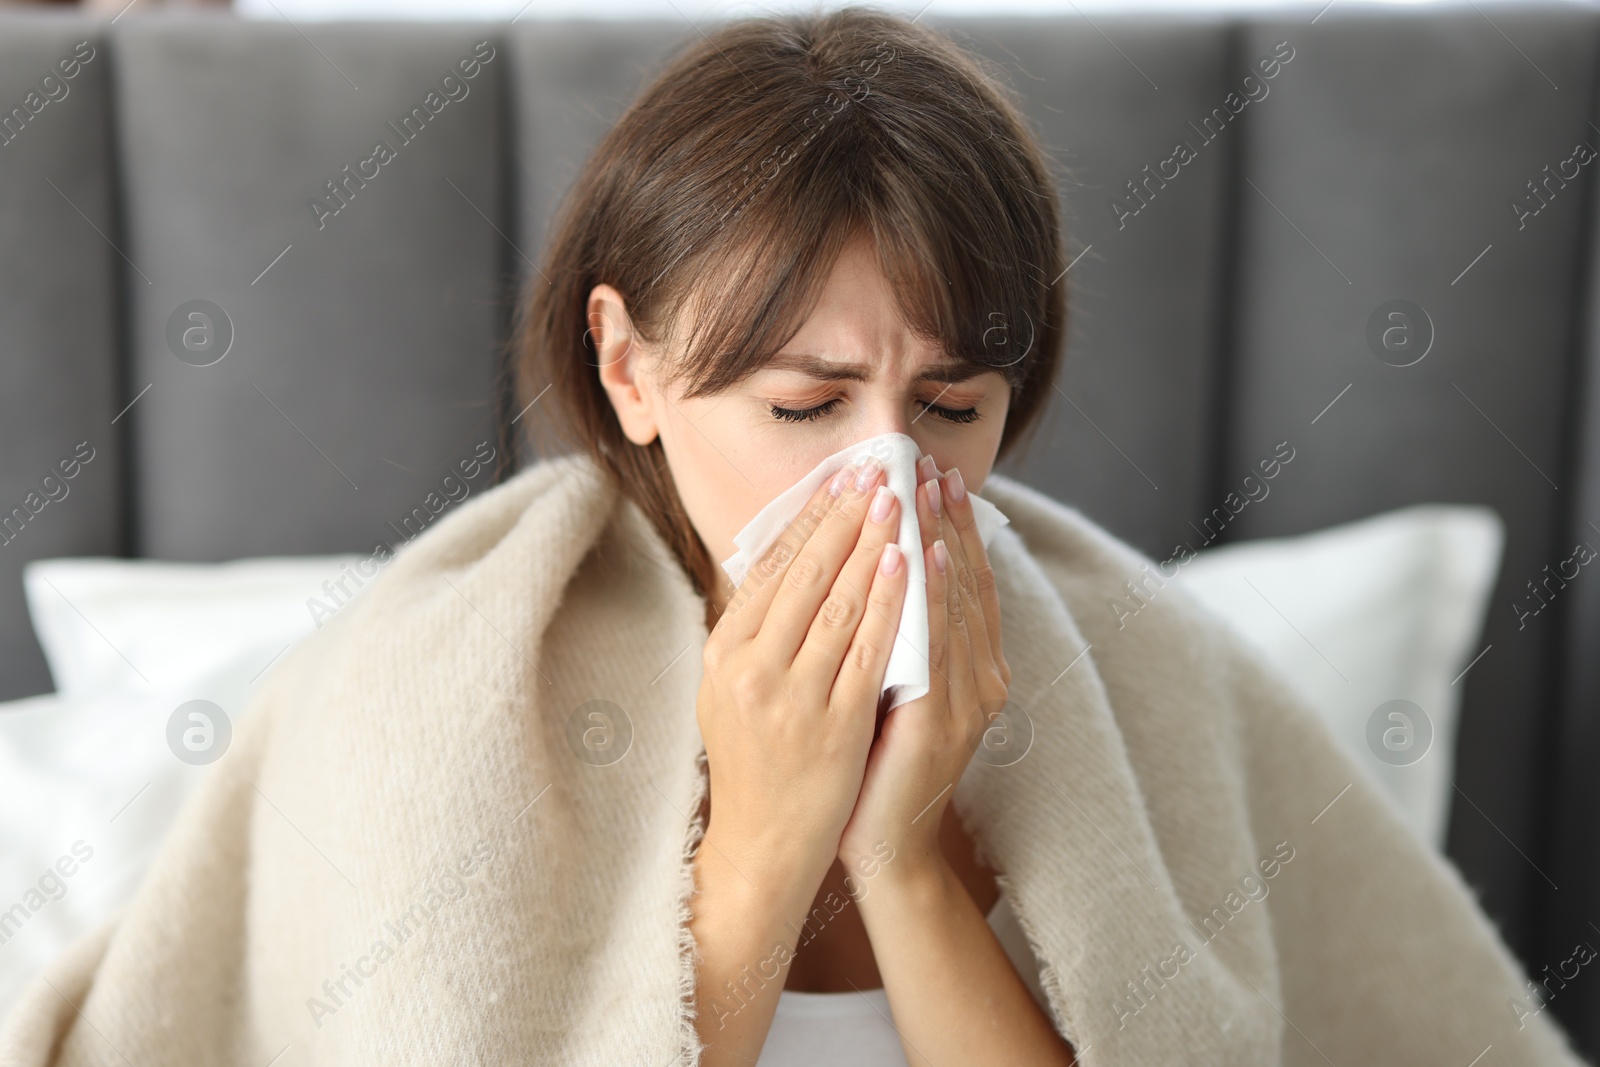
x: 1390, y: 607
x: 89, y: 786
x: 141, y: 625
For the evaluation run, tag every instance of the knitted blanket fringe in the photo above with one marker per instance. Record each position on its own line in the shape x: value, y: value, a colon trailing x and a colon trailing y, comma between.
x: 456, y: 826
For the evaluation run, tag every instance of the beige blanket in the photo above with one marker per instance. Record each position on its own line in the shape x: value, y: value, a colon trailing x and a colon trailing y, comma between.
x: 422, y: 849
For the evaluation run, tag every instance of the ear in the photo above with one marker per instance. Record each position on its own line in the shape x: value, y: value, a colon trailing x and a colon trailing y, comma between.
x: 622, y: 362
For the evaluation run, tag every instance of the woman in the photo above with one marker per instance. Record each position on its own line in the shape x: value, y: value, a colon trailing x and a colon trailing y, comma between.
x: 553, y: 792
x: 794, y: 803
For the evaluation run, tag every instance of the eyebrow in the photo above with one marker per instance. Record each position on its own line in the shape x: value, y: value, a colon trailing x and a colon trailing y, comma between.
x: 830, y: 370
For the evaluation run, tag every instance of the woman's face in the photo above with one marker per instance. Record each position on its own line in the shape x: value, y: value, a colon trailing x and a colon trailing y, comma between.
x: 853, y: 371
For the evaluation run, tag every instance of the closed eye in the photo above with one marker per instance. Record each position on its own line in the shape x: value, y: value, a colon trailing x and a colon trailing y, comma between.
x: 954, y: 414
x: 958, y: 415
x: 803, y: 414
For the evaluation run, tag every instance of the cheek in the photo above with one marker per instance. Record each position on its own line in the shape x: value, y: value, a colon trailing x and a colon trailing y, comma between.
x: 979, y: 457
x: 974, y: 458
x: 724, y: 474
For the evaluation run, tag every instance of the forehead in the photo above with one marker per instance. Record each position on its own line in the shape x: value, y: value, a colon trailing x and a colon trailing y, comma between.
x: 856, y: 331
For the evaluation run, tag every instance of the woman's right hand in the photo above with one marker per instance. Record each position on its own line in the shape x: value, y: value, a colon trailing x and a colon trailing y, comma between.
x: 788, y: 700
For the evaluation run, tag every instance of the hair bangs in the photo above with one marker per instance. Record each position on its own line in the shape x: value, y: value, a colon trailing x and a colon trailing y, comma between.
x: 765, y: 268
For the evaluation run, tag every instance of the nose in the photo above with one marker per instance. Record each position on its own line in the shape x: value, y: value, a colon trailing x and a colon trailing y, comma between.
x: 901, y: 426
x: 891, y: 415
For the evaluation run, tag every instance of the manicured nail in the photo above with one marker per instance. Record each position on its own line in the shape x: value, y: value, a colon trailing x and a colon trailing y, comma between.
x: 891, y: 559
x: 941, y: 555
x: 933, y: 495
x: 880, y: 504
x: 926, y: 471
x: 836, y: 486
x: 869, y: 471
x: 958, y: 489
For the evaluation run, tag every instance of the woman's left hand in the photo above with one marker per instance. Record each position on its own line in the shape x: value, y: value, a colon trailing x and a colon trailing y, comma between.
x: 925, y: 745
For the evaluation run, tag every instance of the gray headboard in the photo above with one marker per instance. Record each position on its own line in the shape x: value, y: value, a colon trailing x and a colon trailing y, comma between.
x: 1222, y: 300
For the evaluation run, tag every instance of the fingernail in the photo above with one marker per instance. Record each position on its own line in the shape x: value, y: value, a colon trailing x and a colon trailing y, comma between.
x: 958, y: 489
x: 926, y: 471
x: 941, y: 555
x: 933, y: 495
x: 836, y: 486
x: 869, y: 471
x: 891, y: 559
x: 880, y: 503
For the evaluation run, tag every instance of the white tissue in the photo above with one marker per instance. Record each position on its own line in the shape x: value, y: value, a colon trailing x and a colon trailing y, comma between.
x: 907, y: 671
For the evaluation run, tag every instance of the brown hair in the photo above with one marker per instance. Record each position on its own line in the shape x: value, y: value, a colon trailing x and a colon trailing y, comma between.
x: 731, y: 185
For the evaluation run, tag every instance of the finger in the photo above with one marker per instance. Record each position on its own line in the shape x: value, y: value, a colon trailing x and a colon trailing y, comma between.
x: 935, y: 523
x: 964, y: 647
x: 963, y: 582
x: 963, y: 686
x: 938, y: 622
x: 809, y: 579
x: 848, y: 605
x: 928, y: 507
x: 741, y: 619
x: 960, y: 515
x: 860, y: 678
x: 930, y: 518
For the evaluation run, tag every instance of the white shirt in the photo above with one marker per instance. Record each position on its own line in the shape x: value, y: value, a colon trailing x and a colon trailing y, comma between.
x: 855, y: 1029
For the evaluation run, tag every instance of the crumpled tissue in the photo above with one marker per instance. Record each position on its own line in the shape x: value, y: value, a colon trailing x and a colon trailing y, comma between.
x: 907, y: 671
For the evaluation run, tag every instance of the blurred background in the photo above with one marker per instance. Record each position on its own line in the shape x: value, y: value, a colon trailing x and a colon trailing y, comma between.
x: 1333, y: 326
x: 626, y: 9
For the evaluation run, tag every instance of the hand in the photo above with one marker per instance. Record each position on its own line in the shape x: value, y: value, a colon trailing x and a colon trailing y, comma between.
x: 925, y: 745
x: 793, y: 671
